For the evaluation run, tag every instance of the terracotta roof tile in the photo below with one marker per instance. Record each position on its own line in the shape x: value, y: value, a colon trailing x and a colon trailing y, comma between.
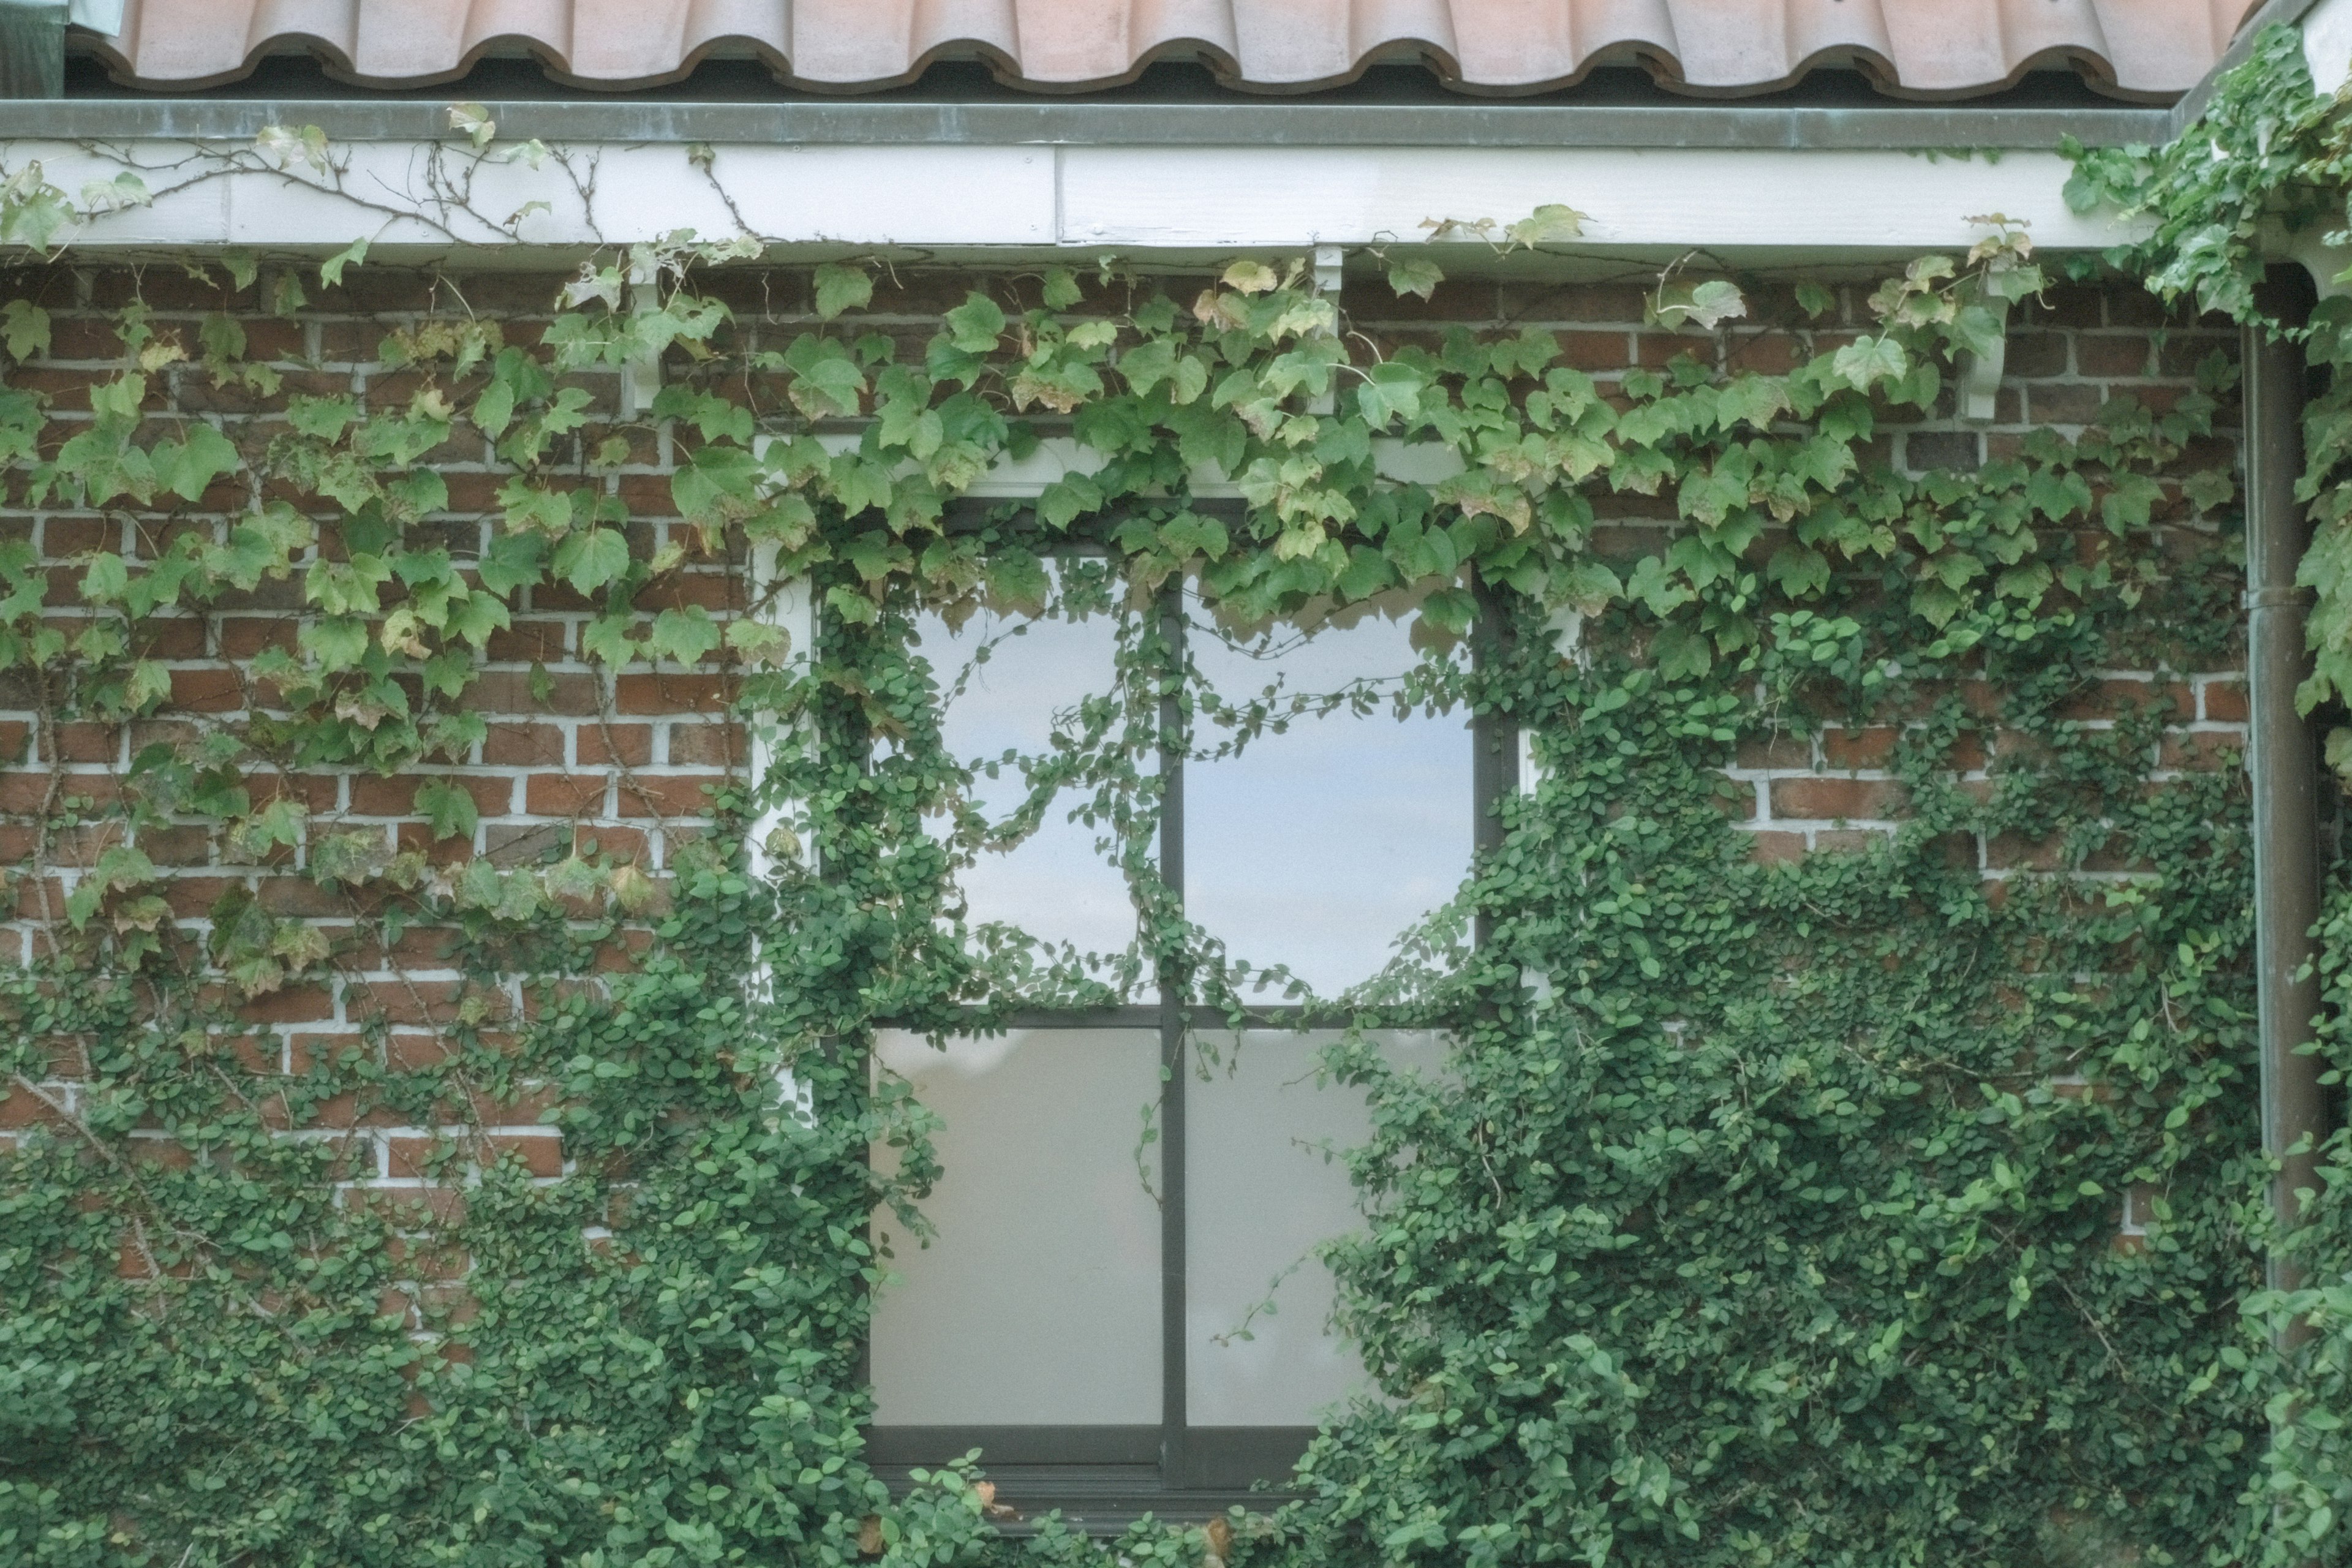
x: 2142, y: 48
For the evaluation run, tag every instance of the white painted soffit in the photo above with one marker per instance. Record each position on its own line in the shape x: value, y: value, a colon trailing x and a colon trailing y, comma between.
x: 1085, y: 200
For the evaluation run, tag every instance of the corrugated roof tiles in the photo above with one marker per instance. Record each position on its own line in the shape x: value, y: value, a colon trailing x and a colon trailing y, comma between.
x: 1922, y: 48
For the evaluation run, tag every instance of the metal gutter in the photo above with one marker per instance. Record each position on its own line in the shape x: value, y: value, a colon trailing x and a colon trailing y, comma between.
x: 866, y: 123
x: 2285, y: 765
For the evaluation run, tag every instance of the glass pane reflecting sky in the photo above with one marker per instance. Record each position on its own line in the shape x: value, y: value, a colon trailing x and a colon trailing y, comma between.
x: 1315, y: 847
x: 1055, y: 885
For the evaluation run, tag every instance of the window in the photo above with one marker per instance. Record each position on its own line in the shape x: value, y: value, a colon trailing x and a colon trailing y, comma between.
x: 1121, y: 1305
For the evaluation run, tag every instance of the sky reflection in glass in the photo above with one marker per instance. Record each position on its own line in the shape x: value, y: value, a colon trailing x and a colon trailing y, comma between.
x: 1056, y: 885
x: 1316, y: 848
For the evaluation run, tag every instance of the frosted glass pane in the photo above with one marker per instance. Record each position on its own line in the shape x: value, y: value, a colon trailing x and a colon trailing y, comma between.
x: 1316, y: 848
x: 1038, y: 1300
x: 1055, y: 885
x: 1265, y: 1184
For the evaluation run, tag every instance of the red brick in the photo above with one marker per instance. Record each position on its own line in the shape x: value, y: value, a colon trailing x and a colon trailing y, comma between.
x: 413, y: 1002
x: 661, y: 795
x: 565, y: 795
x: 2225, y: 701
x: 64, y: 536
x: 183, y: 845
x: 1774, y: 848
x: 242, y: 636
x: 699, y: 692
x: 523, y: 746
x: 404, y: 1050
x: 20, y: 1107
x: 528, y: 1106
x: 509, y: 691
x: 541, y: 1154
x: 291, y: 1004
x: 1836, y: 799
x: 626, y: 745
x: 1781, y: 749
x: 2010, y: 851
x: 528, y: 642
x: 2201, y: 751
x: 396, y: 796
x: 2109, y: 699
x: 2101, y: 354
x: 1853, y: 749
x: 708, y: 745
x: 212, y: 690
x: 1539, y: 302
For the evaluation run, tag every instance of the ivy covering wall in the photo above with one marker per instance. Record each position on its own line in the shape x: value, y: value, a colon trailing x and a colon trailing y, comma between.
x: 1767, y: 1213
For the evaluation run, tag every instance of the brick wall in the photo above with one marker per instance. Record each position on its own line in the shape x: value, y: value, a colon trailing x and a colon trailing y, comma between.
x: 580, y: 757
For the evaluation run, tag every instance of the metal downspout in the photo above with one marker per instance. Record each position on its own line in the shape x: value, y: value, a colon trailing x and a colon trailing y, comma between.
x: 32, y: 48
x: 2283, y: 763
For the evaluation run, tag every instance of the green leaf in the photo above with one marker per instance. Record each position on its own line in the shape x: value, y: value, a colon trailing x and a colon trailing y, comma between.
x: 448, y: 806
x: 331, y: 271
x: 494, y: 409
x: 335, y: 642
x: 1148, y: 364
x: 474, y: 123
x: 840, y: 287
x: 1414, y: 275
x: 2131, y: 503
x: 321, y: 418
x: 1547, y: 224
x: 148, y: 684
x: 974, y: 326
x: 607, y: 638
x: 591, y: 558
x: 106, y: 580
x: 1064, y: 500
x: 1390, y: 392
x: 23, y: 330
x: 1866, y: 361
x: 683, y: 634
x: 187, y: 468
x: 827, y: 383
x: 1706, y: 305
x: 513, y: 561
x: 1589, y: 587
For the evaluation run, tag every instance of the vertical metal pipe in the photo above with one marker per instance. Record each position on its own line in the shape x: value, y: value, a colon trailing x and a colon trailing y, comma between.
x: 32, y: 48
x: 2283, y: 763
x: 1495, y: 745
x: 1175, y: 1467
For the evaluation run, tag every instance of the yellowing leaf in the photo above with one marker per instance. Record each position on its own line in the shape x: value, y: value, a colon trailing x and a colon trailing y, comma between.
x: 1249, y: 277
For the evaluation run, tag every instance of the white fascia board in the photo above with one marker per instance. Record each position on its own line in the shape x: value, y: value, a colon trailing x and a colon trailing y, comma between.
x: 1085, y: 200
x: 1130, y: 197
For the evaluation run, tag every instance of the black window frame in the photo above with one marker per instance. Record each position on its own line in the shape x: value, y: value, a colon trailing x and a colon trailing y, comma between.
x: 1104, y: 1478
